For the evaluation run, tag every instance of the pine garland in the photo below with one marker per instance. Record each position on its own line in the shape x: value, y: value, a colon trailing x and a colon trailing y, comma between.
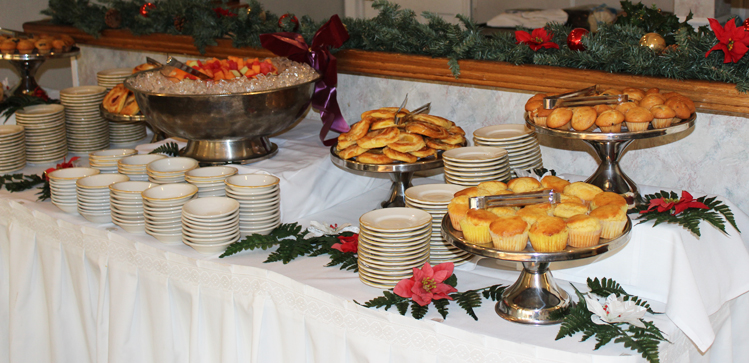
x: 20, y: 182
x: 614, y: 48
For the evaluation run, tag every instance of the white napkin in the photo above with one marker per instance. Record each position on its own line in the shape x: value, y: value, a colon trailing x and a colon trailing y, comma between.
x: 529, y: 19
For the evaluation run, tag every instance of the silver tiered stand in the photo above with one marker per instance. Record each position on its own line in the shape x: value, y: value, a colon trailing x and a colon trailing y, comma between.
x: 535, y: 298
x: 130, y: 119
x: 28, y: 64
x: 610, y: 147
x: 400, y: 174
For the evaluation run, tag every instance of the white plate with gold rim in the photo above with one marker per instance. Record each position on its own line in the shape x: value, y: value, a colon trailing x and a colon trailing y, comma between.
x: 395, y: 220
x: 474, y: 154
x: 503, y: 132
x: 432, y: 193
x: 400, y: 234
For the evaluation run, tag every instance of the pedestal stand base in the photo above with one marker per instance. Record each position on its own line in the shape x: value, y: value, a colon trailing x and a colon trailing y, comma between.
x: 401, y: 182
x: 220, y: 152
x: 534, y: 298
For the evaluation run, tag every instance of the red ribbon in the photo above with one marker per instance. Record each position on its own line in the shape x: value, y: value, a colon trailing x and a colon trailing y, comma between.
x: 318, y: 56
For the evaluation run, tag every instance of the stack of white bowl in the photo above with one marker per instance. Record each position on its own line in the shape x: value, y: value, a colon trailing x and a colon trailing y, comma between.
x: 433, y: 199
x: 210, y: 180
x: 162, y: 208
x: 109, y: 78
x: 106, y: 160
x: 170, y: 170
x: 259, y: 197
x: 125, y: 133
x: 469, y: 166
x: 519, y: 141
x: 127, y: 205
x: 392, y: 241
x: 86, y: 127
x: 12, y: 148
x: 62, y: 187
x: 210, y: 224
x: 92, y: 193
x: 135, y: 166
x: 45, y: 130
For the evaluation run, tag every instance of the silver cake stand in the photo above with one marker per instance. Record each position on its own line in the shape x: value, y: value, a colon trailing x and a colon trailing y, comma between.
x: 535, y: 298
x: 129, y: 119
x: 610, y: 147
x: 400, y: 173
x: 28, y: 64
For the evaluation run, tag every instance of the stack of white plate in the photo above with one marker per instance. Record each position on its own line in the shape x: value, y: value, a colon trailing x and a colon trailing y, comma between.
x: 63, y: 189
x: 12, y: 148
x: 170, y: 170
x: 392, y: 241
x: 135, y: 166
x: 106, y: 160
x: 259, y: 197
x: 87, y: 129
x: 44, y: 126
x: 126, y: 203
x: 210, y: 224
x: 162, y: 208
x: 109, y: 78
x: 92, y: 193
x: 433, y: 199
x: 469, y: 166
x: 210, y: 180
x: 123, y: 133
x: 519, y: 141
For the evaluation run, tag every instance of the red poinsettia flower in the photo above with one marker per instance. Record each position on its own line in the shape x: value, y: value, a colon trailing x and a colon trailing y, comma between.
x: 732, y: 41
x: 538, y: 39
x: 348, y: 244
x: 679, y: 205
x: 427, y: 284
x: 221, y: 12
x: 63, y: 165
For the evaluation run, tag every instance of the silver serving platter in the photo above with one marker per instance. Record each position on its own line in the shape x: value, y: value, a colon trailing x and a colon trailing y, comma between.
x: 685, y: 125
x: 40, y: 56
x: 121, y: 118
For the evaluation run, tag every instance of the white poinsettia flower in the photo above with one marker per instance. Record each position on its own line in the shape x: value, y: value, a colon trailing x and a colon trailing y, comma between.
x: 615, y: 310
x: 317, y: 229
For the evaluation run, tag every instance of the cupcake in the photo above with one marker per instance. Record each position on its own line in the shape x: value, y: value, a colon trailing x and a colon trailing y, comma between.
x: 533, y: 105
x: 25, y: 46
x: 524, y: 185
x: 43, y: 45
x: 625, y: 107
x: 584, y: 119
x: 634, y: 94
x: 569, y: 209
x: 509, y: 233
x: 457, y: 209
x: 531, y: 215
x: 492, y: 187
x: 601, y: 108
x: 548, y: 234
x: 470, y: 192
x: 503, y: 211
x: 546, y: 208
x: 559, y: 118
x: 583, y: 190
x: 613, y: 219
x: 554, y: 182
x: 8, y: 47
x: 638, y: 119
x: 68, y: 40
x: 689, y: 103
x: 566, y: 198
x: 58, y: 45
x: 583, y: 230
x: 609, y: 198
x: 652, y: 100
x: 663, y: 116
x: 610, y: 121
x: 541, y: 115
x: 680, y: 109
x: 475, y: 225
x: 655, y: 90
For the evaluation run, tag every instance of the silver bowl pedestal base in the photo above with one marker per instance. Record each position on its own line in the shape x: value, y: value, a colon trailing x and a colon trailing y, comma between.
x: 609, y: 176
x: 401, y: 182
x: 534, y: 298
x: 220, y: 152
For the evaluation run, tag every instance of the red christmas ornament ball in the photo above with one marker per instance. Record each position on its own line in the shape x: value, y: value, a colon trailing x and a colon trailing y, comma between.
x: 746, y: 25
x: 293, y: 19
x: 146, y: 8
x: 574, y: 40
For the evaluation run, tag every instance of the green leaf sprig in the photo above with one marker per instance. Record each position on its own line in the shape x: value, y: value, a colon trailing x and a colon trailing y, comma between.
x: 170, y: 148
x: 689, y: 218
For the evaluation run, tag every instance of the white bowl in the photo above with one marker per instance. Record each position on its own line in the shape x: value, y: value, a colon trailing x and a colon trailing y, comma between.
x: 139, y: 161
x: 67, y: 207
x: 210, y: 234
x: 211, y: 172
x: 172, y: 165
x: 165, y: 237
x: 210, y: 208
x: 211, y: 221
x: 252, y: 181
x: 71, y: 174
x: 96, y: 218
x: 130, y: 187
x: 169, y: 192
x: 209, y: 249
x: 100, y: 181
x: 199, y: 228
x: 112, y: 154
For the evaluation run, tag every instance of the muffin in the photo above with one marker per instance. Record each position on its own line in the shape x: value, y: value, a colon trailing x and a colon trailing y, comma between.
x: 565, y: 198
x: 610, y: 121
x: 524, y: 185
x: 541, y: 115
x: 609, y: 198
x: 554, y: 182
x: 625, y: 107
x: 68, y: 40
x: 583, y: 190
x: 509, y: 233
x: 533, y: 105
x: 653, y: 90
x: 43, y: 45
x: 601, y: 108
x: 475, y: 225
x: 652, y: 100
x: 492, y: 187
x: 638, y: 119
x: 547, y: 208
x: 613, y: 219
x: 25, y: 46
x: 634, y: 94
x: 548, y: 234
x: 663, y: 116
x: 58, y: 45
x: 680, y: 109
x: 611, y: 92
x: 470, y: 192
x: 8, y: 47
x: 457, y: 209
x: 584, y: 119
x: 569, y: 209
x: 688, y: 102
x: 560, y: 118
x: 503, y: 211
x: 531, y: 215
x: 583, y: 230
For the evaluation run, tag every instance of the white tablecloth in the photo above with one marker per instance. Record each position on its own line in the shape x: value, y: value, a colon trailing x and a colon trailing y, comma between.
x: 80, y: 292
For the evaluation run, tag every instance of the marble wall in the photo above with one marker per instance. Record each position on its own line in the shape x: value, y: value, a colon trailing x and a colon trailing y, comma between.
x: 713, y: 158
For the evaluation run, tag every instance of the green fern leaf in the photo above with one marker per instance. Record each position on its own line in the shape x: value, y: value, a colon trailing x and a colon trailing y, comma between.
x: 468, y: 301
x: 441, y: 306
x: 170, y: 148
x: 418, y: 311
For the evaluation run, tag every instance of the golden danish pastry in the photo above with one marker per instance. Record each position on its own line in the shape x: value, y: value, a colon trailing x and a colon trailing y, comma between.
x: 383, y: 123
x: 352, y: 151
x: 379, y: 138
x: 143, y: 67
x: 456, y: 130
x: 131, y: 107
x: 397, y: 155
x: 454, y: 139
x: 439, y: 145
x: 426, y: 129
x: 407, y: 143
x: 115, y: 99
x: 373, y: 158
x: 380, y: 113
x: 436, y: 120
x: 358, y: 130
x: 425, y: 152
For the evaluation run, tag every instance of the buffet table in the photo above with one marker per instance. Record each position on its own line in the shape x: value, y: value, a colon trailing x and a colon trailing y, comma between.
x: 83, y: 292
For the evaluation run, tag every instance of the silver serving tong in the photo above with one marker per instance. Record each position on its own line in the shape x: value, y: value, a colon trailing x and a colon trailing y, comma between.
x: 514, y: 200
x: 582, y: 97
x: 170, y: 61
x: 397, y: 119
x: 150, y: 60
x: 13, y: 33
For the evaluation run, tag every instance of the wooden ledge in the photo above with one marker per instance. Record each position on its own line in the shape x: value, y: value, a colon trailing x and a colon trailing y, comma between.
x: 712, y: 97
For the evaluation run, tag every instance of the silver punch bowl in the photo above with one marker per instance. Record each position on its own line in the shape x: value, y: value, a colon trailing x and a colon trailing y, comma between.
x: 225, y: 128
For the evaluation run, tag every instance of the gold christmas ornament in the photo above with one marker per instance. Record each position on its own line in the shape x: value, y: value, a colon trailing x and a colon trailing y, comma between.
x: 653, y: 41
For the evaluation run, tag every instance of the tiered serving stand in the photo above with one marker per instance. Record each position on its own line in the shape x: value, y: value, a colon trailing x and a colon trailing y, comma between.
x: 28, y: 64
x: 610, y: 147
x: 401, y: 174
x: 115, y: 117
x: 535, y: 297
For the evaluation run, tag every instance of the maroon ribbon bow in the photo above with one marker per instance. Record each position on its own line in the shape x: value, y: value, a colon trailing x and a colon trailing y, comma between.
x: 293, y: 46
